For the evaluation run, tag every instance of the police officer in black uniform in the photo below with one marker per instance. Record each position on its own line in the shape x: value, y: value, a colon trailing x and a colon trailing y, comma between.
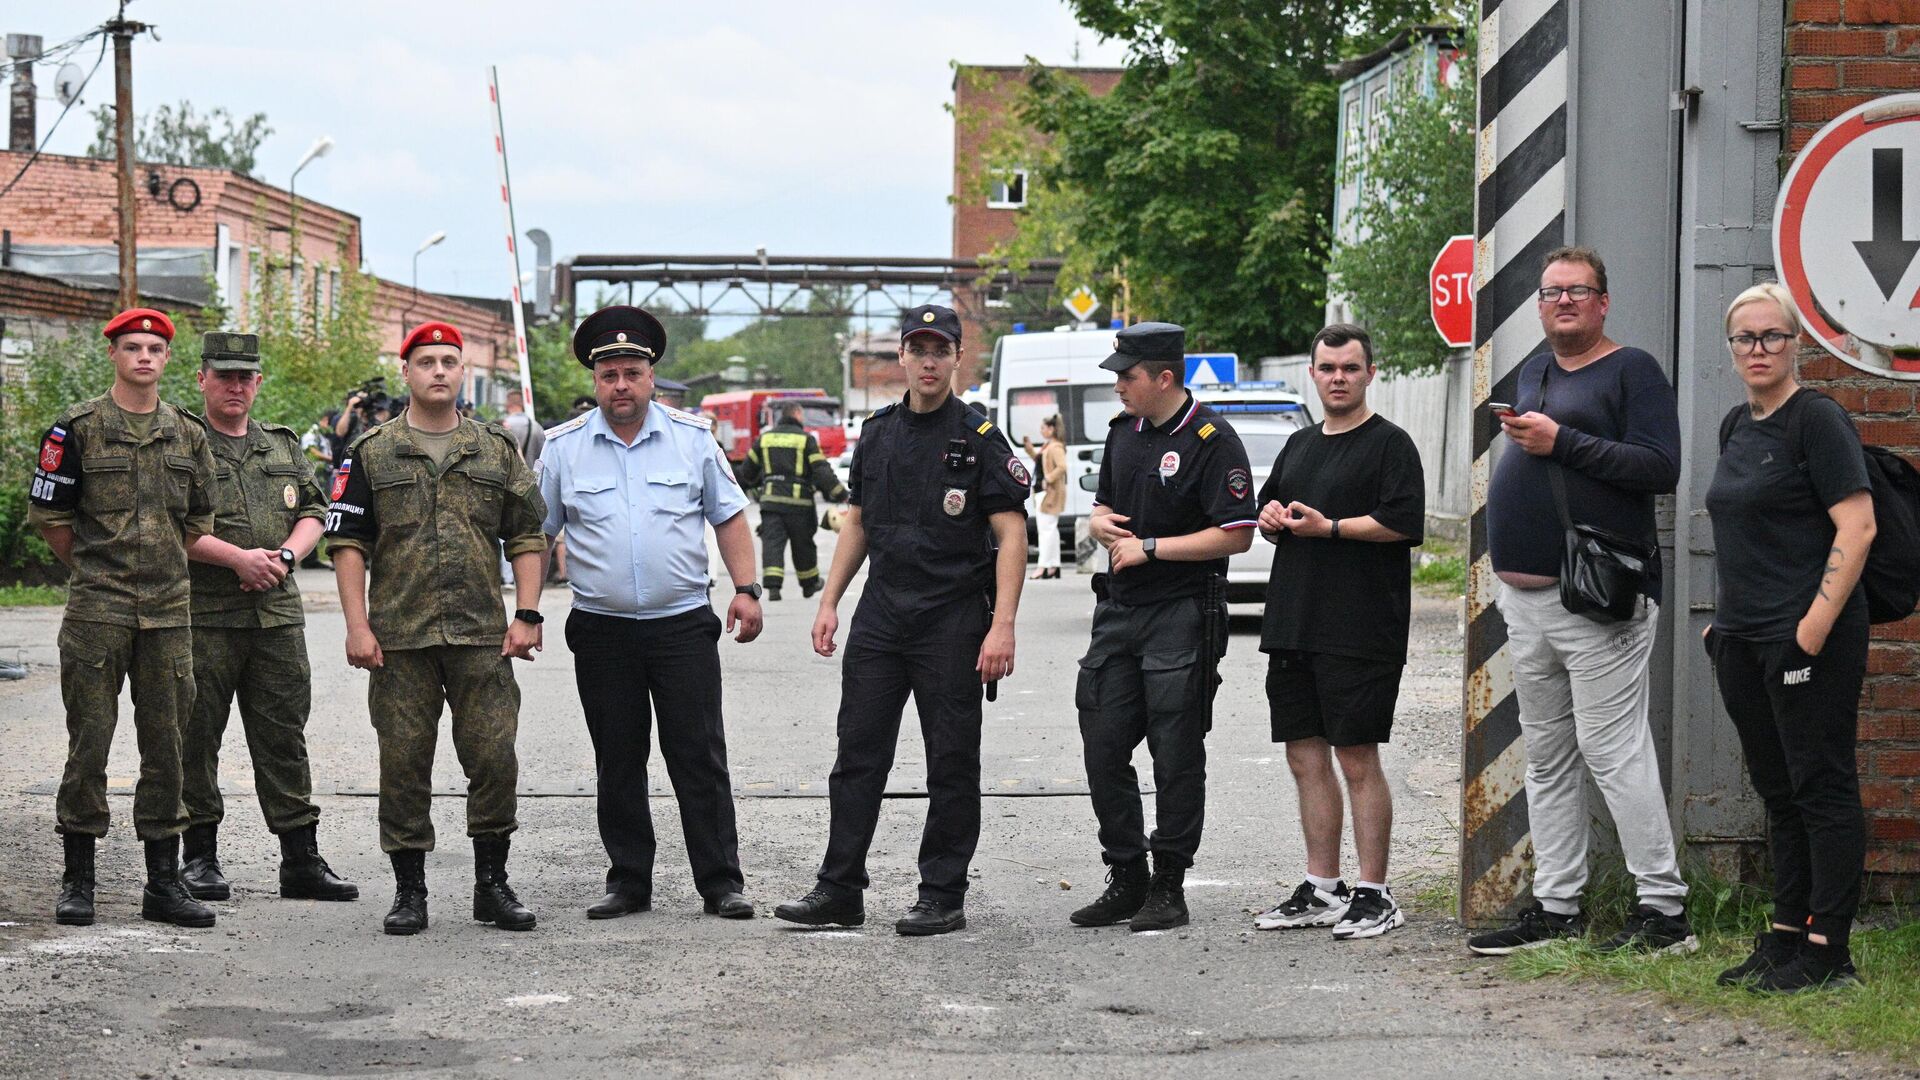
x: 1175, y: 500
x: 936, y: 489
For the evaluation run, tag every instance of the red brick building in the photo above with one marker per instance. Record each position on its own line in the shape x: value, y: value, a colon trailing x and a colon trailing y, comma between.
x: 1839, y: 54
x: 987, y: 204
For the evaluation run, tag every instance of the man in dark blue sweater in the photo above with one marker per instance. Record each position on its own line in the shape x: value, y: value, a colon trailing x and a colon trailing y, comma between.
x: 1601, y: 415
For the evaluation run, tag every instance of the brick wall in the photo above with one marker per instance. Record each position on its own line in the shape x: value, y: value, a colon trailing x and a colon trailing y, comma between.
x: 1842, y: 53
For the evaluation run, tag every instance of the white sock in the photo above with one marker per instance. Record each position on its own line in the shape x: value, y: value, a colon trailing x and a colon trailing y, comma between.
x: 1376, y: 886
x: 1325, y: 884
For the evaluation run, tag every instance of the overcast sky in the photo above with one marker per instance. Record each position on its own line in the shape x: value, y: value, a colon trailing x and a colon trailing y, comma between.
x: 814, y: 128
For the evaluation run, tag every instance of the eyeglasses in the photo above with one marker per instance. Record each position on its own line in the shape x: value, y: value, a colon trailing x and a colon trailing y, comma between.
x: 1552, y: 293
x: 1770, y: 342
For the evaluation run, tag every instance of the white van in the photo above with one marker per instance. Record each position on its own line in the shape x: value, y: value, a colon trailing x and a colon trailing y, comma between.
x: 1036, y: 375
x: 1265, y: 415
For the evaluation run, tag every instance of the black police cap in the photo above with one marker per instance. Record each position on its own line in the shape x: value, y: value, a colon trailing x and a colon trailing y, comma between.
x: 1147, y: 341
x: 930, y: 318
x: 619, y: 331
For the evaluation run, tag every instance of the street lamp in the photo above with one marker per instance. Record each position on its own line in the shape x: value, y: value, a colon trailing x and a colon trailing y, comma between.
x: 318, y: 150
x: 439, y: 235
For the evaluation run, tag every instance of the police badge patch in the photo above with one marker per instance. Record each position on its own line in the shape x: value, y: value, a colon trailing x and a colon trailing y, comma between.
x: 340, y: 480
x: 1237, y: 483
x: 1019, y: 471
x: 955, y: 502
x: 1169, y: 464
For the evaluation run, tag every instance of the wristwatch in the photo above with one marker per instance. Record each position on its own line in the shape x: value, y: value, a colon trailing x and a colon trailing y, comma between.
x: 752, y: 590
x: 286, y: 556
x: 1333, y: 529
x: 1148, y: 545
x: 530, y: 616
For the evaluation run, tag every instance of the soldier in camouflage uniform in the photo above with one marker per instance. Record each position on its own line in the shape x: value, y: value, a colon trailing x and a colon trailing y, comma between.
x: 253, y: 643
x: 428, y: 498
x: 121, y: 489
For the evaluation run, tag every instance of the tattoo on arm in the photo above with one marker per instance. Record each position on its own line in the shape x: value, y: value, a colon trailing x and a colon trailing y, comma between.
x: 1834, y: 557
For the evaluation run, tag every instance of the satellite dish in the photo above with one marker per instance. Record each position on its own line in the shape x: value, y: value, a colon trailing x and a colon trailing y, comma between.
x: 66, y: 85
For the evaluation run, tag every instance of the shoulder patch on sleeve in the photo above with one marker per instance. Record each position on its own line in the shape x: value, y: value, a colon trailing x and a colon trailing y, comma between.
x: 568, y: 427
x: 702, y: 422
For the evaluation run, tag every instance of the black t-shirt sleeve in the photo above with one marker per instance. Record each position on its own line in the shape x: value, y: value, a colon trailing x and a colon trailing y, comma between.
x: 1403, y: 488
x: 1226, y: 484
x: 1005, y: 482
x: 1835, y: 463
x: 56, y: 471
x: 350, y: 521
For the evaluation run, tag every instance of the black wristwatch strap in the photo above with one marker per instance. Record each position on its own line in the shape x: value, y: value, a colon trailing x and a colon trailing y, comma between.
x: 286, y: 556
x: 752, y: 590
x: 530, y: 616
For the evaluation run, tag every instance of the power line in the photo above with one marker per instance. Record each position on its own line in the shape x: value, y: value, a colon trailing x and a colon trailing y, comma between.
x: 35, y: 156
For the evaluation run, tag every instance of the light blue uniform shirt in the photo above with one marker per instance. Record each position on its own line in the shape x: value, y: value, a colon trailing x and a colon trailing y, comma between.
x: 635, y: 515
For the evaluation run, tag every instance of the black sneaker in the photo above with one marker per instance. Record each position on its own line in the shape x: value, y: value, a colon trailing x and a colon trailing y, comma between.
x: 1772, y: 948
x: 1817, y: 967
x: 1648, y: 930
x: 1371, y: 914
x: 1309, y: 905
x: 1535, y: 927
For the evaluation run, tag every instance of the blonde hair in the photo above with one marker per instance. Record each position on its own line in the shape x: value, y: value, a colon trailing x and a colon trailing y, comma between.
x: 1768, y: 292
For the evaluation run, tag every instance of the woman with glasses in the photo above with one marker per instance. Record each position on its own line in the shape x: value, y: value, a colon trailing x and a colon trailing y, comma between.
x: 1792, y: 513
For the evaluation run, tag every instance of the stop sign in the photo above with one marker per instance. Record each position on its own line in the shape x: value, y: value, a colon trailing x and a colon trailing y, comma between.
x: 1450, y: 292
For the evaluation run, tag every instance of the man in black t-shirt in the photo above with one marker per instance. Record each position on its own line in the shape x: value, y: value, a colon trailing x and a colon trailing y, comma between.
x: 1175, y: 500
x: 1344, y: 503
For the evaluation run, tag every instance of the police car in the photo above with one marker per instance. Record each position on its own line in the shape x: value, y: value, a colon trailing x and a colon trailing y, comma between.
x: 1265, y: 415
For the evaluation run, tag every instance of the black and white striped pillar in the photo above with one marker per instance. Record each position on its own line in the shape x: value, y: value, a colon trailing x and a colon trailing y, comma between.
x: 1522, y: 197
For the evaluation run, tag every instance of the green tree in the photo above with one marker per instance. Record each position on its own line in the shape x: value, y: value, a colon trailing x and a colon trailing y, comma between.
x: 1206, y: 177
x: 1418, y: 192
x: 177, y: 135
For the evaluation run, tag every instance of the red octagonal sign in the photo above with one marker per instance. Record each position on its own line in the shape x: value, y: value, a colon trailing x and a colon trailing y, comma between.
x: 1450, y: 292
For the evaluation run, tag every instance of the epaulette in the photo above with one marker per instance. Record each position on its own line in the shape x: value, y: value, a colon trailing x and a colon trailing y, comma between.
x: 978, y: 421
x: 1119, y: 418
x: 704, y: 423
x: 567, y: 426
x: 197, y: 418
x: 79, y: 409
x: 1206, y: 431
x: 368, y: 434
x: 883, y: 410
x: 281, y: 428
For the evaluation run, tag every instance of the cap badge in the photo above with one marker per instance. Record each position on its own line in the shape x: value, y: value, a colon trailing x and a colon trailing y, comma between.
x: 620, y: 337
x: 436, y: 335
x: 926, y: 316
x: 146, y: 324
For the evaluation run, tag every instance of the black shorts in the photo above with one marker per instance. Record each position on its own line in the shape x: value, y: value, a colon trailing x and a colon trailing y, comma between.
x: 1343, y: 699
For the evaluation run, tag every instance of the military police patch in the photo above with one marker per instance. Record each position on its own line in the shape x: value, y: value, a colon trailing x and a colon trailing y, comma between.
x: 51, y: 454
x: 1019, y: 471
x: 955, y: 502
x: 1237, y: 483
x: 340, y: 479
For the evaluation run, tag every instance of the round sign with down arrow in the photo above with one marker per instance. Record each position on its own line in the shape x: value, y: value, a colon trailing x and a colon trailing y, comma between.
x: 1846, y: 233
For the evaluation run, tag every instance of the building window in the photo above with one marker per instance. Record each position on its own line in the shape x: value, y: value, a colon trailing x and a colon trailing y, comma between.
x: 996, y: 296
x: 1381, y: 102
x: 1009, y: 190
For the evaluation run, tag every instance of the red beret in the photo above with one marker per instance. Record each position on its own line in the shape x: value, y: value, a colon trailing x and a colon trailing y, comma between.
x: 139, y: 320
x: 430, y: 333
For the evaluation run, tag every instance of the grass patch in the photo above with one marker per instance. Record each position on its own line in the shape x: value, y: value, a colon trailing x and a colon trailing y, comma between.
x: 1882, y: 1014
x: 1446, y: 575
x: 32, y: 596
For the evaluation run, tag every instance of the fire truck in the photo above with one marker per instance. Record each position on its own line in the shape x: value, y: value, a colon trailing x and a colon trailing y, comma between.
x: 739, y: 416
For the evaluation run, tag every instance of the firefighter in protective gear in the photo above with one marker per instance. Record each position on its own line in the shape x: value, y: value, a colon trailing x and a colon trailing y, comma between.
x: 787, y: 465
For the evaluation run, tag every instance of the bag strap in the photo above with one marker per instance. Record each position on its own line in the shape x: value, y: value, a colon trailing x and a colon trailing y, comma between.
x: 1555, y: 471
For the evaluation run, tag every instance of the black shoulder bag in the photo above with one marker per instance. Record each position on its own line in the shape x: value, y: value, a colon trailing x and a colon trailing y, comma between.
x: 1603, y: 575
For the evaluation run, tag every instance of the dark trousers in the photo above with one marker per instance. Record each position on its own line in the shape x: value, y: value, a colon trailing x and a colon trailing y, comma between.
x: 629, y: 671
x: 934, y: 661
x: 1141, y: 680
x: 1796, y: 716
x: 779, y: 526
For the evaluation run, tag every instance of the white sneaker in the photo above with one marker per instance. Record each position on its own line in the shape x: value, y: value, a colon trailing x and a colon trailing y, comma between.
x: 1309, y: 905
x: 1370, y: 914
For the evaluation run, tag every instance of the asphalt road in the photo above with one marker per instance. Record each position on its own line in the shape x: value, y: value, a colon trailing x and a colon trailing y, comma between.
x: 287, y: 987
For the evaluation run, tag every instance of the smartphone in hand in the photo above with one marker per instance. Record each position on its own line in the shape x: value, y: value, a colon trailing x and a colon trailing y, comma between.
x: 1501, y: 408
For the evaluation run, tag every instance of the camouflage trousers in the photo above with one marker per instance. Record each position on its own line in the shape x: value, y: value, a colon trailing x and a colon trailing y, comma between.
x: 405, y: 697
x: 95, y: 659
x: 266, y: 668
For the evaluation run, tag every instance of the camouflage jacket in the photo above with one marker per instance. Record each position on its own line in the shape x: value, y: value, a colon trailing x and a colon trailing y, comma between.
x: 258, y: 497
x: 133, y: 505
x: 432, y: 536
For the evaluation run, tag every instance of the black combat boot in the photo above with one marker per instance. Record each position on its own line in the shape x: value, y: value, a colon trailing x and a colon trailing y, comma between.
x: 74, y: 906
x: 200, y: 866
x: 1126, y: 891
x: 493, y: 899
x: 809, y: 586
x: 409, y: 912
x: 165, y: 899
x: 773, y: 593
x: 304, y: 875
x: 1166, y: 904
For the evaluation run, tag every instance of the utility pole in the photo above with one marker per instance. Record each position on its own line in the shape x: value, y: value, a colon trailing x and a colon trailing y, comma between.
x: 123, y: 32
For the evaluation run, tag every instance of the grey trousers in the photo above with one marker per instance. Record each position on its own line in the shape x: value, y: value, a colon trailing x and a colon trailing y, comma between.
x: 1583, y: 693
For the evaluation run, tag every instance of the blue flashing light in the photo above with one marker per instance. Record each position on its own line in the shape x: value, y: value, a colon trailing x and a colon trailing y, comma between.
x: 1117, y: 324
x: 1019, y: 328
